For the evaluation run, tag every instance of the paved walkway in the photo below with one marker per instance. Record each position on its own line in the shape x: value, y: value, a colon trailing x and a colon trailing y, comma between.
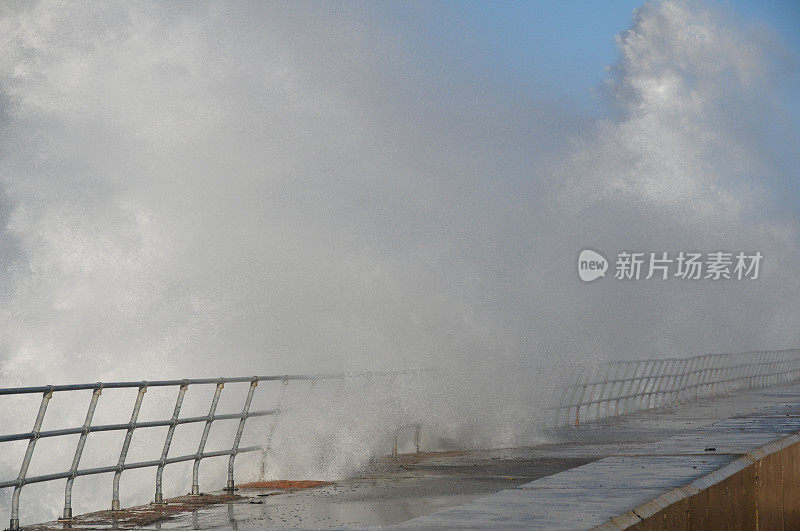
x: 588, y: 496
x: 593, y: 473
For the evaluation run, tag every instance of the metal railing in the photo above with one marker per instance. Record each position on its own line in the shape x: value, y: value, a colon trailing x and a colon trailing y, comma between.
x: 623, y: 387
x: 129, y: 428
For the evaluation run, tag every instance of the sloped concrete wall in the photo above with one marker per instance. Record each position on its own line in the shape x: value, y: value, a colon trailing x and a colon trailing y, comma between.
x: 758, y: 491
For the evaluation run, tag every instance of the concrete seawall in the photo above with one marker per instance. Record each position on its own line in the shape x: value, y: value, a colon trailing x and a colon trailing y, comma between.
x: 760, y: 490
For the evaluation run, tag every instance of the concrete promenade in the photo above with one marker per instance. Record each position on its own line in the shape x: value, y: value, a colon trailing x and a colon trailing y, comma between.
x: 618, y: 491
x: 593, y: 473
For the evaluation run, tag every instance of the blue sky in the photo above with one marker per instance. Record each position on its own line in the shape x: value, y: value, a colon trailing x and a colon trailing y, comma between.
x: 549, y: 49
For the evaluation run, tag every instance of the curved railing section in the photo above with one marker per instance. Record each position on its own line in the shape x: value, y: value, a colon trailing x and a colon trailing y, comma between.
x: 623, y: 387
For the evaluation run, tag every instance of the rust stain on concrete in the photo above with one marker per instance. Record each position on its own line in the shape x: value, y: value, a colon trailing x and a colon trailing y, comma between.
x: 143, y: 515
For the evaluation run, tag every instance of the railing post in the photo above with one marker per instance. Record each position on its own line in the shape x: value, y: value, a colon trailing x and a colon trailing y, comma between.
x: 159, y: 497
x: 583, y: 385
x: 26, y: 461
x: 662, y: 377
x: 245, y: 413
x: 76, y: 459
x: 571, y: 395
x: 654, y: 383
x: 677, y: 382
x: 605, y: 376
x: 273, y: 425
x: 694, y: 378
x: 624, y: 384
x: 714, y: 376
x: 705, y: 377
x: 644, y: 384
x: 203, y: 439
x: 125, y: 445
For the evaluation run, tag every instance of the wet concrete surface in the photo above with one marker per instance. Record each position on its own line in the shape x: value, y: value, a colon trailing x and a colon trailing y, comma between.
x: 593, y: 494
x: 567, y: 476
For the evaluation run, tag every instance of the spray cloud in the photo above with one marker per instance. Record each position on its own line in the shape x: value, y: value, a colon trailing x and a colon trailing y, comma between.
x: 216, y: 189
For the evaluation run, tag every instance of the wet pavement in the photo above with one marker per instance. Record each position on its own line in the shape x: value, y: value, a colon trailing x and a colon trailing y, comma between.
x: 455, y: 488
x: 627, y: 487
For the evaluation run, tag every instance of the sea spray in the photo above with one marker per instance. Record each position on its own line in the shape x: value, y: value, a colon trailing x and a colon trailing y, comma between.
x: 216, y: 190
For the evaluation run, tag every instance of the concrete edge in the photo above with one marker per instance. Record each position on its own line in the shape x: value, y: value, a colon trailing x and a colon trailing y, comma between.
x: 646, y: 510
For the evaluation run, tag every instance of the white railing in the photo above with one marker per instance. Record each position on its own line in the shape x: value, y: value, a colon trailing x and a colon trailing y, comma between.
x: 623, y: 387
